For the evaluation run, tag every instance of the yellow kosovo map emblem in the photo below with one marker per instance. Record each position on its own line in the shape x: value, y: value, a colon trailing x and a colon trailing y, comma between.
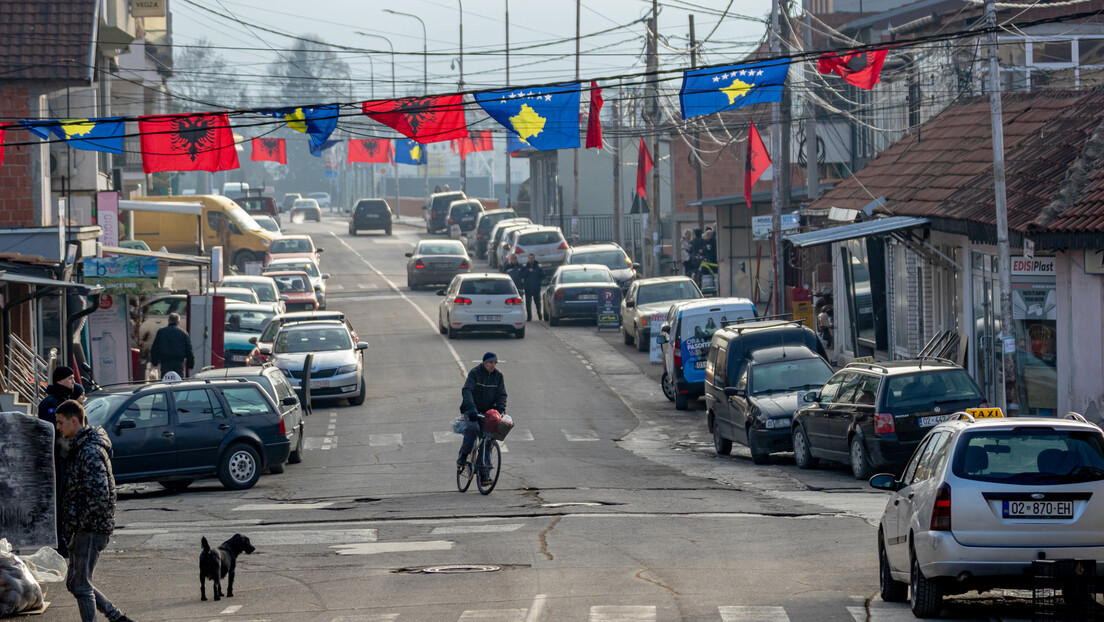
x: 416, y: 153
x: 297, y: 120
x: 737, y: 89
x: 76, y: 127
x: 527, y: 123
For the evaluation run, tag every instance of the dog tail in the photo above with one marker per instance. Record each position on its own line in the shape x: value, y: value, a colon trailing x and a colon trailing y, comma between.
x: 206, y: 546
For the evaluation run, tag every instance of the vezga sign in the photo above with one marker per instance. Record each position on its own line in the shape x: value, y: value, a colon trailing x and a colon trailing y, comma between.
x: 147, y: 8
x: 122, y: 275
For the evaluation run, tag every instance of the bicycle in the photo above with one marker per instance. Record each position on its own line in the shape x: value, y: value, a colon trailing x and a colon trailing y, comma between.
x: 487, y: 446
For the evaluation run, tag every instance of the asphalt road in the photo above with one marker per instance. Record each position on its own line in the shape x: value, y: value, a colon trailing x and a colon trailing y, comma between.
x: 612, y: 505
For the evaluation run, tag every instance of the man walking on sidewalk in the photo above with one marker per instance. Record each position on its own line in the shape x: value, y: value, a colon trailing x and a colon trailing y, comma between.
x: 172, y: 348
x: 532, y: 276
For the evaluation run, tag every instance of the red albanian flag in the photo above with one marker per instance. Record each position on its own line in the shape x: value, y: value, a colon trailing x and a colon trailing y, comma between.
x: 187, y: 142
x: 269, y: 150
x: 594, y: 123
x: 369, y: 150
x: 757, y: 163
x: 863, y: 69
x: 484, y: 141
x: 423, y: 119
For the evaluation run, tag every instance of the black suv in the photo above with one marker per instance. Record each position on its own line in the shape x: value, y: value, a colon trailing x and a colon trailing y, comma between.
x: 436, y: 210
x: 370, y: 214
x: 755, y: 375
x: 875, y: 414
x: 483, y: 225
x: 177, y: 432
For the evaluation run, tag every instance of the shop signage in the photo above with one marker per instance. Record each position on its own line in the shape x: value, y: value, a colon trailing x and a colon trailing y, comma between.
x: 122, y: 275
x: 761, y: 225
x: 1038, y: 266
x: 1094, y: 261
x: 147, y: 8
x: 609, y: 304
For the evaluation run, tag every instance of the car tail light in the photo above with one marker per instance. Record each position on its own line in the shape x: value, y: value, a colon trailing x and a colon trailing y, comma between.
x: 676, y: 350
x: 433, y: 213
x: 941, y: 512
x: 562, y: 246
x: 464, y: 265
x: 460, y: 300
x: 419, y: 265
x: 283, y: 428
x: 452, y: 222
x: 643, y: 320
x: 518, y: 250
x: 558, y: 295
x: 883, y: 424
x: 514, y: 301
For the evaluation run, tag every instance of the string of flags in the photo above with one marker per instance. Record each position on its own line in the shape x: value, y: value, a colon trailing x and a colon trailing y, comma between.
x: 540, y: 117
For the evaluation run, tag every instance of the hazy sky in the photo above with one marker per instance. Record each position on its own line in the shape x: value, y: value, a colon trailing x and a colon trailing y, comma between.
x: 548, y: 23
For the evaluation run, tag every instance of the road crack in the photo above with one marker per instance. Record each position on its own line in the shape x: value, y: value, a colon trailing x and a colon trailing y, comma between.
x: 670, y: 590
x: 544, y: 538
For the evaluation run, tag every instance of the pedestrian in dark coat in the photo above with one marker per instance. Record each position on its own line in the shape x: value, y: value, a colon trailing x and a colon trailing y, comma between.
x: 61, y: 388
x: 172, y: 349
x: 513, y: 268
x: 532, y: 275
x: 709, y: 247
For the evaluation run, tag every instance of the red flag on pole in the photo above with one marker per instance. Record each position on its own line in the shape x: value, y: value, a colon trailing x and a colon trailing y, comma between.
x: 758, y: 160
x: 644, y: 164
x: 187, y: 142
x: 424, y: 119
x: 2, y: 132
x: 594, y: 122
x: 369, y: 150
x: 484, y: 141
x: 269, y: 150
x: 861, y: 69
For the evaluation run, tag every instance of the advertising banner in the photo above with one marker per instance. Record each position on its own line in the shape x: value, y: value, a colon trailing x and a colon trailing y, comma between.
x: 609, y: 309
x: 107, y: 217
x: 761, y: 225
x: 655, y: 352
x: 109, y: 340
x: 122, y: 275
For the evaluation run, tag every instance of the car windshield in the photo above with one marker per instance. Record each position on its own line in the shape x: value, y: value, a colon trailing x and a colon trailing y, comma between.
x: 267, y: 224
x: 585, y: 276
x: 293, y: 283
x: 241, y: 321
x: 242, y: 218
x: 924, y: 388
x: 292, y: 245
x: 789, y: 376
x: 265, y: 291
x: 489, y: 221
x: 305, y: 266
x: 248, y: 296
x: 99, y: 410
x: 1030, y: 455
x: 440, y: 248
x: 488, y: 287
x: 663, y: 292
x: 614, y: 260
x: 313, y: 340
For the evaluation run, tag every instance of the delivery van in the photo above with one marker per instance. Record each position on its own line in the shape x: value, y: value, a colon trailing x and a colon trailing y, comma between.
x: 221, y: 223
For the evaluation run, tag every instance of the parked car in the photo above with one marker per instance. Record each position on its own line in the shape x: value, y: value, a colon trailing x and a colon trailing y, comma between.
x: 506, y: 244
x: 574, y: 292
x: 235, y: 294
x: 289, y: 201
x: 244, y: 323
x: 873, y: 415
x: 547, y: 244
x: 267, y: 223
x: 648, y: 297
x: 685, y: 341
x: 268, y: 335
x: 275, y: 383
x: 435, y: 262
x: 294, y: 246
x: 610, y: 255
x: 484, y: 301
x: 755, y: 376
x: 308, y: 209
x: 484, y: 223
x: 323, y: 198
x: 264, y: 286
x: 497, y: 232
x: 370, y: 214
x: 436, y: 209
x: 296, y: 285
x: 175, y: 433
x: 317, y: 277
x: 462, y: 215
x: 257, y: 204
x: 338, y: 367
x: 155, y: 316
x: 980, y: 500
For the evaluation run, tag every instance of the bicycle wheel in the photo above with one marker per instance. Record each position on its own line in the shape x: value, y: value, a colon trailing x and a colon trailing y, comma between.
x: 492, y: 460
x: 465, y: 473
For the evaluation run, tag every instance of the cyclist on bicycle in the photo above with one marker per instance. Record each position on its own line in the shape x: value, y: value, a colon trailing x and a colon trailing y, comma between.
x: 484, y: 389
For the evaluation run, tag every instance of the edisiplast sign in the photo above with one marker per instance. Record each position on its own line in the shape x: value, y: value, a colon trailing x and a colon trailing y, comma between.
x: 122, y: 275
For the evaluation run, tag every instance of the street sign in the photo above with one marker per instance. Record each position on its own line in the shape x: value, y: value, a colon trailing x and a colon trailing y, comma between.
x: 609, y: 304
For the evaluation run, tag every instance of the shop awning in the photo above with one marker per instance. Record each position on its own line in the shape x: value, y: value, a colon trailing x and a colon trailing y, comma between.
x: 855, y: 230
x: 177, y: 258
x: 167, y: 207
x: 14, y: 277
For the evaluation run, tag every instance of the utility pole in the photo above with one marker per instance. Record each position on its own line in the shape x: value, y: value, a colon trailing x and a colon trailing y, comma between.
x: 509, y: 183
x: 1004, y: 252
x: 617, y: 169
x: 652, y: 118
x: 575, y: 184
x: 463, y: 161
x: 812, y: 174
x: 776, y: 170
x: 786, y: 108
x: 696, y: 158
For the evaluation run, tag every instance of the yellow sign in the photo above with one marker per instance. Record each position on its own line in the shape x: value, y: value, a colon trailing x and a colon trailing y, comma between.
x: 985, y: 413
x: 804, y: 311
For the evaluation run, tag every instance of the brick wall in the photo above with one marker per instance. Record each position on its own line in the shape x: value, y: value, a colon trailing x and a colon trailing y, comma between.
x: 16, y: 201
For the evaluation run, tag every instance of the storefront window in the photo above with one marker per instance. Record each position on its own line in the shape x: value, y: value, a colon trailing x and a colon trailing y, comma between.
x: 866, y: 285
x: 1033, y: 309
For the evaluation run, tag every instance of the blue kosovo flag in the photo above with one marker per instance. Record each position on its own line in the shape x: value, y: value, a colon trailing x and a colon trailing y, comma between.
x: 514, y: 143
x: 317, y: 123
x: 409, y: 151
x: 705, y: 91
x: 87, y: 134
x: 545, y: 117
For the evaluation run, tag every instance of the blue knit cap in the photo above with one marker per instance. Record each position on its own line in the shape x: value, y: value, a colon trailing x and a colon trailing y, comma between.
x: 490, y: 356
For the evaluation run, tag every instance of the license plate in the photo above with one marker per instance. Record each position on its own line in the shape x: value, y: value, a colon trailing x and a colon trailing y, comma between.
x: 488, y: 318
x: 239, y: 358
x: 371, y: 215
x: 700, y: 364
x: 934, y: 420
x: 1038, y: 509
x: 588, y: 296
x: 985, y: 413
x: 440, y: 266
x: 320, y: 384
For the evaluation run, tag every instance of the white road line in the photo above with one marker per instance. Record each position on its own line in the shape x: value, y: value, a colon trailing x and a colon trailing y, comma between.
x: 372, y: 617
x: 753, y: 614
x: 536, y: 608
x: 336, y: 287
x: 371, y: 548
x: 384, y: 440
x: 628, y: 613
x: 267, y: 539
x: 521, y: 435
x: 393, y: 286
x: 280, y: 507
x: 884, y: 612
x: 502, y: 447
x: 578, y: 437
x: 232, y: 609
x: 446, y: 437
x: 461, y: 529
x: 493, y: 615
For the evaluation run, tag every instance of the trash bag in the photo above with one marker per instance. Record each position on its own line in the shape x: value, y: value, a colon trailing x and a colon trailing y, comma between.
x: 47, y: 566
x: 460, y: 425
x: 18, y: 589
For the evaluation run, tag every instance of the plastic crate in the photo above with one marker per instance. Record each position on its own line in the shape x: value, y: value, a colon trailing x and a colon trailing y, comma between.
x: 1064, y: 590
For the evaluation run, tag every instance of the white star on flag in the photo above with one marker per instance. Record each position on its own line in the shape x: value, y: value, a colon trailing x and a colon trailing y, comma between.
x: 724, y: 76
x: 759, y: 73
x: 547, y: 98
x: 716, y: 78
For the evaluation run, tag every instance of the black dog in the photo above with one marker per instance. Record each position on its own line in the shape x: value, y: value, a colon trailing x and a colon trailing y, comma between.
x: 218, y: 563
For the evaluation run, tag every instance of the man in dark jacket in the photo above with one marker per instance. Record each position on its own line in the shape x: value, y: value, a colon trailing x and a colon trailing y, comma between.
x: 484, y: 389
x: 61, y: 388
x: 532, y: 276
x: 172, y: 349
x: 513, y: 268
x: 709, y: 247
x: 88, y: 512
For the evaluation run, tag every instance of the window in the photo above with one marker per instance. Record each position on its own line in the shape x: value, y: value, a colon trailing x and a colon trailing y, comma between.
x: 540, y: 237
x: 681, y: 290
x: 721, y: 373
x: 789, y: 375
x: 585, y: 276
x: 245, y: 400
x: 488, y: 287
x: 919, y: 389
x: 850, y: 387
x: 1030, y: 456
x: 1090, y: 51
x: 1051, y: 52
x: 313, y: 340
x: 909, y: 473
x: 197, y: 405
x: 832, y: 387
x: 440, y: 248
x: 148, y: 411
x: 614, y: 260
x: 925, y: 468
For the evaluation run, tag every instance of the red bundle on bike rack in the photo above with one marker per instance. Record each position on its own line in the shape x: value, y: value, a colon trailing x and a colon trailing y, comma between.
x: 497, y: 426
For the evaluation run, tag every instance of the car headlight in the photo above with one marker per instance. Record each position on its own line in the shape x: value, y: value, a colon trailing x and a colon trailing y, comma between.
x: 778, y: 424
x: 346, y: 369
x: 265, y: 242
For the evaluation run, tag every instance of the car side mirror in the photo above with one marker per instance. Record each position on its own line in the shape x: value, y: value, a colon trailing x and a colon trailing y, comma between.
x: 885, y: 481
x: 440, y: 292
x: 734, y: 392
x: 285, y: 298
x: 125, y: 424
x: 629, y: 304
x: 253, y: 340
x: 409, y: 254
x: 636, y: 266
x: 810, y: 397
x: 662, y: 339
x: 325, y: 275
x: 289, y: 400
x: 362, y: 345
x: 265, y: 350
x: 665, y: 328
x: 320, y: 250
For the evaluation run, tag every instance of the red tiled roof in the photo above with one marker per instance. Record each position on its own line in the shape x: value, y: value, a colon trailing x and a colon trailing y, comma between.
x: 37, y: 35
x: 945, y: 169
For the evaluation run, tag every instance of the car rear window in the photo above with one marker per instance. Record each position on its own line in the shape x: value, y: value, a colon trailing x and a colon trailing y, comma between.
x: 703, y: 325
x: 371, y: 206
x: 585, y: 276
x: 290, y: 246
x: 488, y: 222
x: 245, y: 399
x: 662, y: 292
x: 614, y: 260
x: 924, y: 389
x: 440, y: 248
x: 540, y: 237
x: 1030, y: 455
x: 462, y: 210
x: 488, y: 287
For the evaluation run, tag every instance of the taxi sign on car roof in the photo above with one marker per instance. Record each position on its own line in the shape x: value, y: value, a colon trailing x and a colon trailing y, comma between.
x: 985, y: 413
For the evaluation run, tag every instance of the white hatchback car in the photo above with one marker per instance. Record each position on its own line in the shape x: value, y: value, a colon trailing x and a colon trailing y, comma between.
x: 979, y: 501
x: 547, y: 244
x: 485, y: 301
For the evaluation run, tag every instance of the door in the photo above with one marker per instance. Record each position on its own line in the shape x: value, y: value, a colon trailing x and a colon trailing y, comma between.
x: 201, y: 426
x: 854, y: 407
x: 898, y: 510
x: 987, y: 363
x: 142, y: 439
x: 816, y: 419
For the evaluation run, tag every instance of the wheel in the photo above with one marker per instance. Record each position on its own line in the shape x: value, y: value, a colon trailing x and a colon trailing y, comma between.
x: 453, y: 333
x: 758, y: 456
x: 519, y: 333
x: 352, y: 231
x: 387, y: 231
x: 803, y: 455
x: 668, y: 389
x: 860, y: 462
x: 464, y: 475
x: 681, y: 401
x: 428, y: 230
x: 925, y: 596
x: 240, y: 467
x: 176, y: 485
x: 241, y: 258
x: 552, y: 321
x: 296, y: 455
x: 626, y: 336
x: 892, y: 591
x: 276, y: 469
x: 441, y: 329
x: 641, y: 345
x: 721, y: 445
x: 493, y: 462
x: 359, y: 399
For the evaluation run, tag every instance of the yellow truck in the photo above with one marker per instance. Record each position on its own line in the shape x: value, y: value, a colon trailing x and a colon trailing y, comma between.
x: 221, y: 222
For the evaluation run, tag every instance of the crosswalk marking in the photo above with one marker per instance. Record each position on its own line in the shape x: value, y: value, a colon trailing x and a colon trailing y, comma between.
x: 576, y: 437
x: 383, y: 440
x: 372, y: 617
x: 521, y: 435
x: 232, y: 609
x: 493, y: 615
x: 266, y: 538
x: 753, y: 614
x: 371, y: 548
x: 335, y: 287
x: 628, y: 613
x: 462, y: 529
x: 441, y: 437
x: 446, y: 437
x: 281, y: 507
